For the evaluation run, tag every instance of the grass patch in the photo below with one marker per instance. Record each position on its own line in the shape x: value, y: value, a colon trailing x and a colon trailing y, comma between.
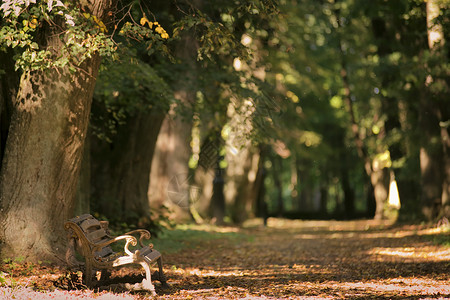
x: 440, y: 236
x: 441, y: 239
x: 192, y: 236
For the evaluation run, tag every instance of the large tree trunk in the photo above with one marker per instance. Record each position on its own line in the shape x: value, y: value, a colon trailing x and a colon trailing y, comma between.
x: 170, y: 177
x: 277, y: 169
x: 43, y: 152
x: 240, y: 183
x: 42, y: 160
x: 243, y: 161
x: 121, y: 170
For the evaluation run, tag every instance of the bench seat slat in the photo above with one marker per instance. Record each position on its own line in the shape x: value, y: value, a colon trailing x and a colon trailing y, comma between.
x: 150, y: 254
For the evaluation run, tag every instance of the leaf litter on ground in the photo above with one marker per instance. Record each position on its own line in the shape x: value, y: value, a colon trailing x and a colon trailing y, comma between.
x: 288, y: 259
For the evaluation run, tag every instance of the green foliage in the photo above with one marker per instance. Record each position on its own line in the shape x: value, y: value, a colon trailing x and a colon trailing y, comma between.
x: 189, y: 236
x: 81, y: 34
x: 156, y: 221
x: 382, y: 47
x: 441, y: 240
x: 124, y: 88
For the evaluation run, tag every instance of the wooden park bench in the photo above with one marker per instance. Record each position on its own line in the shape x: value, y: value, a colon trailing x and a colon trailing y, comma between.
x: 91, y: 239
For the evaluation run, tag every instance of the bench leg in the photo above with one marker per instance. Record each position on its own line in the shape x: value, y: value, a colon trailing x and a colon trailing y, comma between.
x: 147, y: 282
x: 87, y: 274
x: 105, y: 275
x: 161, y: 276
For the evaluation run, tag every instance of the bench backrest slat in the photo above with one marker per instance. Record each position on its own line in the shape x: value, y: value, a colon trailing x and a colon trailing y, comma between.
x: 94, y: 232
x: 81, y: 218
x: 89, y: 225
x: 106, y: 251
x: 97, y: 235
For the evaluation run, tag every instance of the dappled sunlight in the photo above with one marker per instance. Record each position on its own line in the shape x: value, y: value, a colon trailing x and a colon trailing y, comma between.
x: 209, y: 228
x: 268, y: 271
x: 289, y: 282
x: 398, y: 286
x: 413, y: 252
x: 331, y: 225
x: 388, y: 288
x: 405, y: 233
x: 212, y: 272
x: 297, y: 263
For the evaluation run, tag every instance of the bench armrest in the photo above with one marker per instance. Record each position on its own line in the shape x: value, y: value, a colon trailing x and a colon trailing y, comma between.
x: 144, y: 234
x: 129, y: 240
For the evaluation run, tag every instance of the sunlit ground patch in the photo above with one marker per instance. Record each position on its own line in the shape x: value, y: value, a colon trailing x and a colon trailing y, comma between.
x: 407, y: 286
x: 24, y: 293
x: 414, y: 252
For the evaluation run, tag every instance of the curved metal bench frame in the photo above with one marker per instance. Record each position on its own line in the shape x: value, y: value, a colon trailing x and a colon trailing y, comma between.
x: 91, y: 239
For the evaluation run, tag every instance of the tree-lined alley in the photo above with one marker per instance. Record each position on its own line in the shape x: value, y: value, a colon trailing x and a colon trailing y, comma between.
x: 219, y: 111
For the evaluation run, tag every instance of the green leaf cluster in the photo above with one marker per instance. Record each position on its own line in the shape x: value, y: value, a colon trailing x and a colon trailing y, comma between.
x: 124, y: 88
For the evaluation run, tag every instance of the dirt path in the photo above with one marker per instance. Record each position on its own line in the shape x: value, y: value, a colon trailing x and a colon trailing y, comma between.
x: 286, y: 260
x: 317, y: 260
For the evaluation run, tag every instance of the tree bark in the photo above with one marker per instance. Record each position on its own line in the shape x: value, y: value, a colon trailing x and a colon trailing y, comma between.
x: 430, y: 159
x: 242, y: 159
x: 241, y: 175
x: 433, y: 144
x: 83, y: 196
x: 42, y: 158
x: 169, y: 177
x: 121, y: 171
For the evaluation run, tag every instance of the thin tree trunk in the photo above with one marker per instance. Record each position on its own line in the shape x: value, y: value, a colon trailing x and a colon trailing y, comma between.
x: 431, y: 151
x: 9, y: 83
x: 445, y: 198
x: 217, y: 206
x: 324, y: 198
x: 377, y: 177
x: 257, y: 188
x: 349, y: 194
x: 260, y: 189
x: 276, y: 173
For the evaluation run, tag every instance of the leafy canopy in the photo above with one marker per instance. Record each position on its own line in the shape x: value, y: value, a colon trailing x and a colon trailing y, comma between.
x: 24, y: 22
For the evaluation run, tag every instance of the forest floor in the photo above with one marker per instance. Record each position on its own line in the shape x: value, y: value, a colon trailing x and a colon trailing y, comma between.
x: 285, y: 260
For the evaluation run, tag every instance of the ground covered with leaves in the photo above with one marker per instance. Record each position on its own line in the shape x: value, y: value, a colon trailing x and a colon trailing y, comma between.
x: 285, y: 260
